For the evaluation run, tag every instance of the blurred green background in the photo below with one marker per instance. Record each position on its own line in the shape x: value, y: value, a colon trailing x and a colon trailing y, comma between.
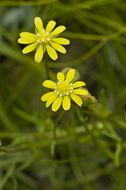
x: 81, y: 149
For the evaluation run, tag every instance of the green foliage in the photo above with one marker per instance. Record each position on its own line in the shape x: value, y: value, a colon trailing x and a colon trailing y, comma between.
x: 81, y: 149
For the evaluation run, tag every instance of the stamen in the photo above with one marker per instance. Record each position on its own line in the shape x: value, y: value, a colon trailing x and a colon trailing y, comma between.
x: 47, y: 33
x: 58, y: 82
x: 38, y: 40
x: 43, y: 29
x: 71, y: 83
x: 57, y: 93
x: 54, y: 90
x: 60, y: 94
x: 48, y: 39
x: 55, y: 87
x: 67, y: 93
x: 37, y: 34
x: 42, y: 39
x: 70, y: 90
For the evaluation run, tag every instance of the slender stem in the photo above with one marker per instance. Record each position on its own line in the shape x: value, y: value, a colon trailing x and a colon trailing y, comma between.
x: 55, y: 124
x: 47, y: 68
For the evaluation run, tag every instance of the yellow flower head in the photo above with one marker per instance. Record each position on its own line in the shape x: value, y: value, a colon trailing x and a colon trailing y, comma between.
x: 63, y: 91
x: 44, y: 39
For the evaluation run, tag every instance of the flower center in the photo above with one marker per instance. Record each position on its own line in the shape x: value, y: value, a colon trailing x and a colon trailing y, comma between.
x: 43, y: 37
x: 63, y: 88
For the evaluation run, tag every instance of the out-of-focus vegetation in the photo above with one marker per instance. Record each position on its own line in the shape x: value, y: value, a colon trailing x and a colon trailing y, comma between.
x: 81, y: 149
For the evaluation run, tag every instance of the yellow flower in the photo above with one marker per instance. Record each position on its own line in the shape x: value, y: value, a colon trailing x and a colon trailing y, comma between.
x: 44, y: 39
x: 63, y: 91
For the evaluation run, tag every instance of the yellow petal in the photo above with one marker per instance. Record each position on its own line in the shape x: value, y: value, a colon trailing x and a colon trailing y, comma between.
x: 78, y: 84
x: 70, y: 75
x: 51, y: 52
x: 51, y: 24
x: 39, y: 54
x: 62, y: 41
x: 49, y: 84
x: 60, y: 76
x: 38, y: 23
x: 58, y: 47
x: 51, y: 99
x: 29, y: 48
x: 66, y: 103
x: 26, y: 41
x: 58, y: 30
x: 80, y: 92
x: 76, y: 99
x: 57, y: 103
x: 47, y: 96
x: 27, y: 35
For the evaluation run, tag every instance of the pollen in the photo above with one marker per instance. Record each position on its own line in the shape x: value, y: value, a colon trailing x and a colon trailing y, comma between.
x: 63, y: 88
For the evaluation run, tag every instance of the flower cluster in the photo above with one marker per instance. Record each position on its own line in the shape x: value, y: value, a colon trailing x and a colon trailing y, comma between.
x: 45, y: 39
x: 63, y: 91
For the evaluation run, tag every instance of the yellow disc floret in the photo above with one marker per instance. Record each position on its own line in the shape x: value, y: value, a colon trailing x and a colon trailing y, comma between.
x: 43, y: 37
x: 63, y: 88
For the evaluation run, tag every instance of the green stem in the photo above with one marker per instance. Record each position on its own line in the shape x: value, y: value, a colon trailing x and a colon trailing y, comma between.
x: 55, y: 124
x: 47, y: 68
